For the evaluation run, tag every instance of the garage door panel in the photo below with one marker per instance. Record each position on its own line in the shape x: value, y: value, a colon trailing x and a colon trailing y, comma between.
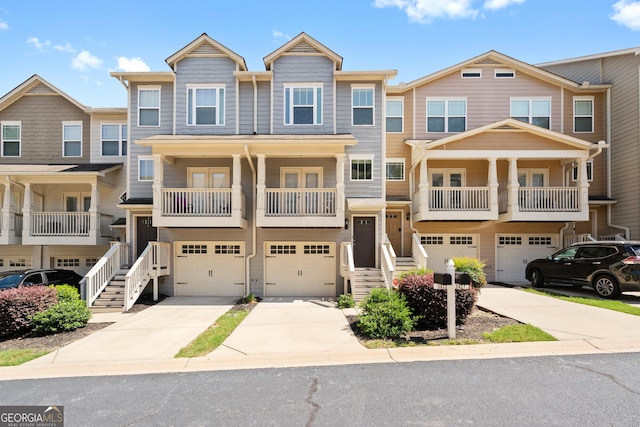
x: 515, y: 251
x: 441, y: 248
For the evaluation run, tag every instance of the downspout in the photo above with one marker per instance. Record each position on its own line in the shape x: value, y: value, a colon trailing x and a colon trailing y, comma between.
x: 247, y: 285
x: 255, y: 105
x: 411, y: 185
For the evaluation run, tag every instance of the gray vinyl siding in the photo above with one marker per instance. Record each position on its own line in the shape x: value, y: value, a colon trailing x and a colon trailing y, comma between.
x: 246, y: 108
x: 207, y: 70
x: 246, y: 118
x: 137, y: 188
x: 303, y: 69
x: 41, y: 120
x: 264, y: 108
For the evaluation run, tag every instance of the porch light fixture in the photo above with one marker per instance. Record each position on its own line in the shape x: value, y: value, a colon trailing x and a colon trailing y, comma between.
x: 408, y: 216
x: 346, y: 223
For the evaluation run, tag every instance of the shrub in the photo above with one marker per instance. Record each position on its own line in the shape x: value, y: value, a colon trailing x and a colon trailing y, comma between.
x: 17, y: 305
x: 66, y: 293
x: 473, y: 267
x: 250, y: 298
x: 346, y: 301
x: 385, y: 315
x: 64, y: 316
x: 414, y: 272
x: 429, y: 305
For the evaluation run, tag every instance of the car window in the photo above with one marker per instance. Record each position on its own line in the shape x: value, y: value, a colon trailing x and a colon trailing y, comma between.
x: 592, y: 252
x: 636, y: 249
x: 35, y: 278
x: 55, y: 276
x: 10, y: 280
x: 568, y: 253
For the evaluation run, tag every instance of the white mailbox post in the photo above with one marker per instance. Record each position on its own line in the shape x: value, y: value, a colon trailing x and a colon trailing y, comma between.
x: 451, y: 301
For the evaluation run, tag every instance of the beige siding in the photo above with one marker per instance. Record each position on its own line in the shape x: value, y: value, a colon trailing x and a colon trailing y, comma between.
x: 96, y: 137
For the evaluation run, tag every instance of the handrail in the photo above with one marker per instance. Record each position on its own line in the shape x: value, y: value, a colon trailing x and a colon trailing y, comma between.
x: 419, y: 253
x: 102, y: 272
x: 148, y: 266
x: 347, y: 264
x: 387, y: 265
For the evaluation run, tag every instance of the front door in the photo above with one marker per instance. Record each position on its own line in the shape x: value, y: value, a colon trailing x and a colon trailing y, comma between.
x: 394, y: 230
x: 145, y: 233
x: 364, y: 241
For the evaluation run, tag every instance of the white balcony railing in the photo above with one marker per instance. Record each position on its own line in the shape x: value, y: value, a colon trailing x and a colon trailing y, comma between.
x: 300, y: 202
x: 60, y: 223
x: 459, y: 199
x: 549, y: 199
x: 196, y: 201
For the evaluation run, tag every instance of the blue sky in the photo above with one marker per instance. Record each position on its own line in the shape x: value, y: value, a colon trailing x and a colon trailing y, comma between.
x: 75, y: 44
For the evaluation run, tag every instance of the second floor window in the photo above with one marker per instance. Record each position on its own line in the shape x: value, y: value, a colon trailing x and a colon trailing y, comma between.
x: 114, y: 140
x: 303, y: 105
x: 362, y: 100
x: 72, y: 139
x: 149, y: 106
x: 394, y: 113
x: 361, y: 169
x: 395, y: 169
x: 11, y: 134
x: 446, y: 115
x: 145, y: 169
x: 534, y: 111
x: 583, y: 115
x: 205, y: 105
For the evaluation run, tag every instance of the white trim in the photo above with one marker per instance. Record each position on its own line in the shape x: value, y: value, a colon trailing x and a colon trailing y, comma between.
x: 401, y: 160
x: 447, y: 172
x: 394, y: 99
x: 504, y: 71
x: 360, y: 156
x: 471, y: 73
x: 373, y: 103
x: 81, y: 196
x: 71, y: 123
x: 146, y: 159
x: 11, y: 123
x: 584, y: 98
x: 301, y: 171
x: 446, y: 115
x: 208, y: 171
x: 316, y: 104
x: 574, y: 172
x: 149, y: 88
x: 220, y: 118
x: 120, y: 139
x: 528, y: 172
x: 530, y: 99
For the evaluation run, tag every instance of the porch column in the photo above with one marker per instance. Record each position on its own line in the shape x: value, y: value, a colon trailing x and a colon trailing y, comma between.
x: 94, y: 220
x: 26, y: 210
x: 157, y: 185
x: 583, y: 183
x: 236, y: 188
x: 513, y: 187
x: 340, y: 199
x: 261, y: 185
x: 8, y: 210
x: 493, y: 185
x: 424, y: 187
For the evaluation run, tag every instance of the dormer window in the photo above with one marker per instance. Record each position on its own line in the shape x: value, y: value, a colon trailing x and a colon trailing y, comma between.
x: 472, y: 73
x: 205, y: 105
x: 303, y: 104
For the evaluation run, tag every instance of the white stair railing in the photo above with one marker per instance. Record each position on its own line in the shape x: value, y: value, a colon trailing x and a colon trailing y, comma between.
x: 387, y: 263
x: 103, y: 271
x: 152, y: 262
x: 419, y: 253
x: 347, y: 265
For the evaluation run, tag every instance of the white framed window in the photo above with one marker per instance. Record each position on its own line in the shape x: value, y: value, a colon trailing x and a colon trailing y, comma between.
x: 205, y: 105
x: 395, y: 115
x: 301, y: 177
x: 504, y: 73
x: 303, y: 104
x: 583, y: 114
x: 536, y: 111
x: 361, y: 167
x: 113, y: 139
x: 149, y: 106
x: 538, y: 177
x: 447, y: 177
x: 471, y: 73
x: 11, y: 137
x: 145, y: 168
x: 589, y: 171
x: 72, y: 139
x: 362, y: 103
x: 76, y: 202
x: 395, y: 169
x: 201, y: 177
x: 446, y: 115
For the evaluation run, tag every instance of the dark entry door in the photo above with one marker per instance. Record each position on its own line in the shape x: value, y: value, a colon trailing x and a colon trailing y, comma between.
x: 394, y: 231
x: 364, y: 241
x: 145, y: 233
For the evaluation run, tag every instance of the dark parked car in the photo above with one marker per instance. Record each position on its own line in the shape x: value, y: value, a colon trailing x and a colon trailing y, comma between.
x: 609, y: 267
x: 15, y: 278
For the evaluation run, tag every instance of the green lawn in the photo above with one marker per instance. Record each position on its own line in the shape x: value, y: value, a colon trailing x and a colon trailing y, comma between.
x: 517, y: 333
x: 594, y: 302
x: 19, y: 356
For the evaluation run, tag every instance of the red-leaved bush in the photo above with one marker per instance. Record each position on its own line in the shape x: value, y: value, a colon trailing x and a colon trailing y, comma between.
x: 429, y: 305
x: 17, y: 305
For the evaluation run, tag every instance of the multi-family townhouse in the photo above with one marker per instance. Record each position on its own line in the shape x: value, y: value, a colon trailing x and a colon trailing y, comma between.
x: 496, y: 159
x: 621, y: 69
x: 61, y: 177
x: 255, y: 181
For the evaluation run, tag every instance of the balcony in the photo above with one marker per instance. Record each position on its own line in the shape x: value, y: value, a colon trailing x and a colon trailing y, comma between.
x: 454, y: 203
x: 11, y: 228
x: 200, y: 207
x: 65, y: 228
x: 300, y: 207
x: 543, y: 204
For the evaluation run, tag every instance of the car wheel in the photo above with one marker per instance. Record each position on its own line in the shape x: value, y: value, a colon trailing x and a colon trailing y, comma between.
x: 606, y: 286
x: 537, y: 280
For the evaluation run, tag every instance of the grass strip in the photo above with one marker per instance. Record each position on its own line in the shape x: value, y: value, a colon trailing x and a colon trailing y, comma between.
x: 215, y: 335
x: 593, y: 302
x: 517, y: 333
x: 15, y: 357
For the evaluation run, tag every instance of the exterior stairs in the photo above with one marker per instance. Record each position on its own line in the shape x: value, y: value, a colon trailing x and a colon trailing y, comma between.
x: 366, y: 279
x: 111, y: 299
x: 404, y: 264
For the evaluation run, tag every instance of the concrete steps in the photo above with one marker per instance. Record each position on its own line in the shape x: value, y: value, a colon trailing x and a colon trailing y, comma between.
x: 404, y: 264
x: 365, y: 280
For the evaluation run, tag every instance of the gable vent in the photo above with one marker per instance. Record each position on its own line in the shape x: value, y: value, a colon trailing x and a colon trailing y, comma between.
x: 206, y: 49
x: 303, y: 47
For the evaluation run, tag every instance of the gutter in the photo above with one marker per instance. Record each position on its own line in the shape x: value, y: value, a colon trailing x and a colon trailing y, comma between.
x: 254, y: 190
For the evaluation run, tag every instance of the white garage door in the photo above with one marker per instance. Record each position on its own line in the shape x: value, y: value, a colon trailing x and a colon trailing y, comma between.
x: 442, y: 247
x: 514, y: 251
x: 300, y: 269
x: 15, y: 262
x: 209, y: 268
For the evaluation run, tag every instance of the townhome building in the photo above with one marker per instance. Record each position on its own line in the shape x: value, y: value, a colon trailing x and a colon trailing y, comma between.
x: 266, y: 181
x: 496, y: 159
x: 61, y: 176
x: 620, y: 69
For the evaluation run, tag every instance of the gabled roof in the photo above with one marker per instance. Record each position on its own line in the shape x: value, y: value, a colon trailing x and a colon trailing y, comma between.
x: 29, y: 84
x: 630, y: 51
x: 511, y: 125
x: 497, y: 58
x: 303, y: 44
x: 206, y: 46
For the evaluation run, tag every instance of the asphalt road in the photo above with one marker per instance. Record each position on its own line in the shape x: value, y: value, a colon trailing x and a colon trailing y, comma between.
x: 542, y: 391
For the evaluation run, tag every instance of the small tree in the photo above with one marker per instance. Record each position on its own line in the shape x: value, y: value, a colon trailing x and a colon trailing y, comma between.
x: 385, y: 315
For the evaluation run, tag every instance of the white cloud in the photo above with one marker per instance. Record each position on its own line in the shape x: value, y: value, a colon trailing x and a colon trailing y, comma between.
x: 627, y: 13
x: 132, y: 64
x: 4, y: 25
x: 500, y: 4
x: 37, y: 43
x: 66, y: 48
x: 85, y: 60
x: 428, y: 10
x: 280, y: 35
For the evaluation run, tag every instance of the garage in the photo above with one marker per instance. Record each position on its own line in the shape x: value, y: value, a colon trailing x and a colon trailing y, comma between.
x: 209, y: 268
x: 514, y: 251
x: 442, y: 247
x: 302, y: 269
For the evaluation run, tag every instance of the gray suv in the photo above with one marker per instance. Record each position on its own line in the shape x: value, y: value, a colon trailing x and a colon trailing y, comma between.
x: 609, y: 267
